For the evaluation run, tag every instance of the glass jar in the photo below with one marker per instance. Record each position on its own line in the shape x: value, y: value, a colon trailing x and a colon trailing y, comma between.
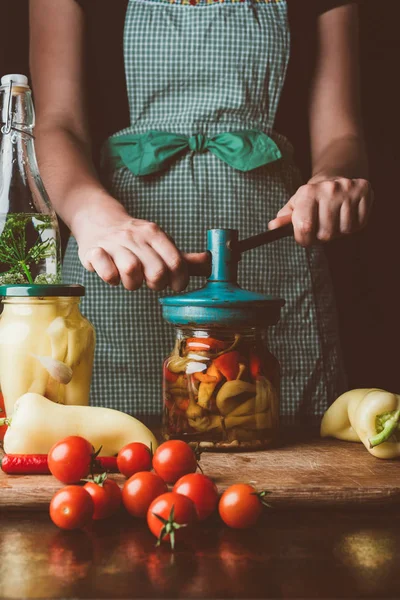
x: 221, y: 389
x: 46, y: 345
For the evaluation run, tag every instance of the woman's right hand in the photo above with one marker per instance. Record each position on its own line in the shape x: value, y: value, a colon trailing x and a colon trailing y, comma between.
x: 120, y: 248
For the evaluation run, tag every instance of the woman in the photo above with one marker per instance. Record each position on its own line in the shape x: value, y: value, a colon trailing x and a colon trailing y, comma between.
x: 199, y: 68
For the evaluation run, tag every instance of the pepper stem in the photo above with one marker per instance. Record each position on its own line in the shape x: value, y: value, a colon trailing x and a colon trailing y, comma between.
x: 388, y: 429
x: 5, y: 421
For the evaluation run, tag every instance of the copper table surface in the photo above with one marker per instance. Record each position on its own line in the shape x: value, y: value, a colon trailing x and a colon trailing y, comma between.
x: 296, y: 554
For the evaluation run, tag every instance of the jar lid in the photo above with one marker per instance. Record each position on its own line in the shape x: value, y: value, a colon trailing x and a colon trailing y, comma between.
x: 42, y: 291
x: 222, y: 304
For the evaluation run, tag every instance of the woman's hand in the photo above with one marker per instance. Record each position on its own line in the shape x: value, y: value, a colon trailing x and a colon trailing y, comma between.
x: 324, y: 210
x: 120, y: 248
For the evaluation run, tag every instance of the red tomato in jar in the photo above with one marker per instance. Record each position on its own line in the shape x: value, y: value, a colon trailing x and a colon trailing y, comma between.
x: 106, y: 496
x: 134, y: 458
x: 176, y: 510
x: 173, y: 459
x: 71, y: 508
x: 139, y: 492
x: 69, y: 460
x: 201, y: 490
x: 240, y: 506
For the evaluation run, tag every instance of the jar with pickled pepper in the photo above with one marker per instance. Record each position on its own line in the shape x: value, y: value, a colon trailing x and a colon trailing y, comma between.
x: 221, y: 383
x: 46, y: 345
x: 221, y: 388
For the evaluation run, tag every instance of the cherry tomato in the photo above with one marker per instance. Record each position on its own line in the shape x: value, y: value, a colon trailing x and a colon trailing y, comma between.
x: 106, y: 496
x: 69, y: 460
x: 167, y: 512
x: 201, y: 490
x: 71, y: 507
x: 139, y: 492
x: 241, y: 506
x: 174, y: 459
x: 134, y: 458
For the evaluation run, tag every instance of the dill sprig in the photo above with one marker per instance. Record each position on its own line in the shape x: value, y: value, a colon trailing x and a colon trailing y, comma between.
x: 14, y: 251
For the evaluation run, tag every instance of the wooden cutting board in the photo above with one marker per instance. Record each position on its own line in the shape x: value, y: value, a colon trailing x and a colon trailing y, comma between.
x: 304, y: 471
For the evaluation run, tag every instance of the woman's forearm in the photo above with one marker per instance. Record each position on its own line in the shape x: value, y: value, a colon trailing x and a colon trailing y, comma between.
x: 343, y: 157
x: 69, y: 176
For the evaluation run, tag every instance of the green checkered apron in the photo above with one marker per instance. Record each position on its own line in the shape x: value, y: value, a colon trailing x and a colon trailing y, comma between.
x: 201, y: 67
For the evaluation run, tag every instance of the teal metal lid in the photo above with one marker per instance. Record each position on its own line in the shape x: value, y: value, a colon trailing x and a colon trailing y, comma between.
x: 42, y: 291
x: 222, y: 302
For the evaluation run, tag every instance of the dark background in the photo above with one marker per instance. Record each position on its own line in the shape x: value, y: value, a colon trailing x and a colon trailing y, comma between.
x: 366, y: 267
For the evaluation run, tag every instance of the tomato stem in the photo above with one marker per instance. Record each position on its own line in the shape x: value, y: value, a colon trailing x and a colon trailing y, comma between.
x: 169, y: 527
x: 261, y: 496
x: 97, y: 479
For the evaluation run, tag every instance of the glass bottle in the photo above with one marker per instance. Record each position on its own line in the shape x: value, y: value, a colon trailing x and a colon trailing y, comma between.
x: 46, y: 345
x: 29, y: 233
x: 221, y: 388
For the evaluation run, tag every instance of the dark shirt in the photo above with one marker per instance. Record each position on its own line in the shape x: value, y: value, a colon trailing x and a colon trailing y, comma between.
x: 106, y: 90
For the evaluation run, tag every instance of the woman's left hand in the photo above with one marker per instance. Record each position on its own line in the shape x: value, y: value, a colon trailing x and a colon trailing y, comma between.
x: 324, y: 210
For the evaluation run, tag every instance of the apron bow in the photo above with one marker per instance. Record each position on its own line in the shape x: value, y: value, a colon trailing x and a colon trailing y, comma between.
x: 153, y: 151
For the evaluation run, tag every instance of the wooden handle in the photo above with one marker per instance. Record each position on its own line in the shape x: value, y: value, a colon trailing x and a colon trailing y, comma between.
x: 264, y: 238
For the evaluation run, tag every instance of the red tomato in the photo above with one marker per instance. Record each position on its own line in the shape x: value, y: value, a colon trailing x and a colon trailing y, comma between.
x: 173, y: 459
x: 139, y: 492
x: 134, y: 458
x: 201, y: 490
x: 71, y: 507
x: 106, y: 496
x: 241, y: 506
x: 69, y: 460
x: 167, y: 512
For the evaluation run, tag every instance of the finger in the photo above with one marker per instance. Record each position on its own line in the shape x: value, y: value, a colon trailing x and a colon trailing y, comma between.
x: 348, y: 218
x: 328, y: 219
x: 103, y: 264
x: 305, y: 221
x: 173, y: 259
x: 365, y: 204
x: 155, y: 271
x: 199, y: 264
x: 128, y: 265
x: 280, y: 221
x: 363, y: 211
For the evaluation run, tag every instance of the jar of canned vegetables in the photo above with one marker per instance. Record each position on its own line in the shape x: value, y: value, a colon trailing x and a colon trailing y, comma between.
x: 221, y: 388
x: 46, y: 344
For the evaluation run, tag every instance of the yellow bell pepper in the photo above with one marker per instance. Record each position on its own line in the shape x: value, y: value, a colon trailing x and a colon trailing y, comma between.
x: 371, y: 416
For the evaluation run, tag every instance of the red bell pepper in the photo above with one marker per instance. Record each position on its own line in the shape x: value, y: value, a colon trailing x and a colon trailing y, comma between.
x: 255, y: 365
x: 169, y: 375
x: 228, y: 364
x: 205, y: 344
x: 3, y: 428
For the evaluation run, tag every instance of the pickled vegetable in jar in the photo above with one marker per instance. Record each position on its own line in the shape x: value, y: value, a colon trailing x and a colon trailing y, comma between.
x: 46, y: 345
x: 221, y: 388
x: 221, y: 382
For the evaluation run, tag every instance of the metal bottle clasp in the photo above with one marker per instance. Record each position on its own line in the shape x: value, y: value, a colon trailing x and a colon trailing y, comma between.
x: 7, y: 127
